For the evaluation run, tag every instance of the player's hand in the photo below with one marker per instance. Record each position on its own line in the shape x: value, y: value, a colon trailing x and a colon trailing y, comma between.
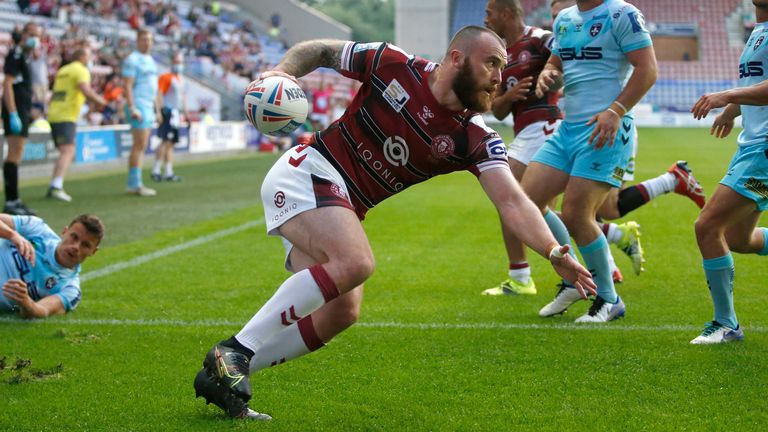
x: 16, y: 290
x: 547, y: 78
x: 722, y: 126
x: 136, y: 114
x: 570, y: 270
x: 606, y: 126
x: 520, y: 90
x: 706, y: 103
x: 14, y: 123
x: 274, y: 72
x: 24, y: 247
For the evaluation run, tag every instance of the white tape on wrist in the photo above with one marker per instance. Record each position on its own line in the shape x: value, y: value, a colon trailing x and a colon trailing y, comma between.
x: 555, y: 253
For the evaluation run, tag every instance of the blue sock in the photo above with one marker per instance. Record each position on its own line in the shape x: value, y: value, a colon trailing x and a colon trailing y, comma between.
x: 719, y: 272
x: 764, y: 251
x: 558, y: 230
x: 134, y: 177
x: 595, y: 257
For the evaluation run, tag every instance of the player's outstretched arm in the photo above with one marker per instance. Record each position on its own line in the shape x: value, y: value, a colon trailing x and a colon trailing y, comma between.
x: 753, y: 95
x: 523, y: 218
x: 307, y: 56
x: 551, y: 77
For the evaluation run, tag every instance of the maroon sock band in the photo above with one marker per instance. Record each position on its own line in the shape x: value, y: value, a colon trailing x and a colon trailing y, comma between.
x: 326, y: 284
x: 518, y: 265
x: 308, y: 333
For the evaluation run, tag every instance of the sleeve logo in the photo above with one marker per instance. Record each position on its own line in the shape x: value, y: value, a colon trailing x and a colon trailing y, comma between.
x: 396, y: 95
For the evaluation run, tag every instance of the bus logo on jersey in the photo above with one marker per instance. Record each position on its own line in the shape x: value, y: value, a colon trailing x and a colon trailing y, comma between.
x: 758, y: 43
x: 751, y: 69
x: 396, y: 95
x: 586, y: 53
x: 396, y: 151
x: 595, y: 29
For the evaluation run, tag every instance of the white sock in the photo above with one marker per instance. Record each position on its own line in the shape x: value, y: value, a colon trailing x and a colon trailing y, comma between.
x: 288, y: 344
x: 521, y: 274
x: 156, y: 168
x: 57, y: 182
x: 299, y: 296
x: 168, y: 169
x: 614, y: 234
x: 662, y: 184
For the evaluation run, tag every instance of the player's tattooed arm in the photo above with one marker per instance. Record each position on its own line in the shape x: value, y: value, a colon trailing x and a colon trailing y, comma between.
x: 307, y: 56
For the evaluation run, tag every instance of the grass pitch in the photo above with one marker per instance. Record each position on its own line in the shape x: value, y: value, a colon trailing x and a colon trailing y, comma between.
x: 429, y: 352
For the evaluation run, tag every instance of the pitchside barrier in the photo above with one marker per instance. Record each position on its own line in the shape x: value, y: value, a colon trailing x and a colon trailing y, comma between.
x: 97, y: 144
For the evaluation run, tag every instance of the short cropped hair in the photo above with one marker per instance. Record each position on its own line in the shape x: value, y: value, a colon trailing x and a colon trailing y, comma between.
x: 143, y: 30
x: 463, y: 38
x: 91, y: 223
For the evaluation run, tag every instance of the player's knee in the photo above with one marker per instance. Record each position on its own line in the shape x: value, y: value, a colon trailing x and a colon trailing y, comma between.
x: 706, y: 228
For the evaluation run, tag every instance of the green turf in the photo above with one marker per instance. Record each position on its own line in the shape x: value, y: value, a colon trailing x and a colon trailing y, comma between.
x: 429, y: 352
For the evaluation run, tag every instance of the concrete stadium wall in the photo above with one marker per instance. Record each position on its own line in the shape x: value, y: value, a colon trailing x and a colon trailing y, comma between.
x: 421, y: 27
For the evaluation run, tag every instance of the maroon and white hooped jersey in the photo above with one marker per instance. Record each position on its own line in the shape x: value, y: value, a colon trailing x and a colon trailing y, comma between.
x: 395, y: 134
x: 527, y: 58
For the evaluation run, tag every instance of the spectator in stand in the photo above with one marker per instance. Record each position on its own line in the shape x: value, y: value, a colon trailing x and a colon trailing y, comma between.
x: 17, y: 104
x: 204, y: 117
x: 70, y: 90
x: 142, y: 106
x: 321, y: 106
x: 171, y: 85
x: 38, y: 68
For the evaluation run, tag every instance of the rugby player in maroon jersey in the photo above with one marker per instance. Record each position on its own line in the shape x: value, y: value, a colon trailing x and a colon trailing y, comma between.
x: 411, y: 120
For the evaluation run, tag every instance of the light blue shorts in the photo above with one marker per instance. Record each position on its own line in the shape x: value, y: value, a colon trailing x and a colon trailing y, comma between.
x: 569, y: 150
x: 147, y: 118
x: 748, y: 174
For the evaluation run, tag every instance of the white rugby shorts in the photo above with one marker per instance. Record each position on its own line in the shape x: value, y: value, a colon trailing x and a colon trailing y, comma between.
x: 530, y: 140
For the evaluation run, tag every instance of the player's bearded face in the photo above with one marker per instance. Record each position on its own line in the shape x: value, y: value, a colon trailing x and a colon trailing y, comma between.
x: 472, y: 93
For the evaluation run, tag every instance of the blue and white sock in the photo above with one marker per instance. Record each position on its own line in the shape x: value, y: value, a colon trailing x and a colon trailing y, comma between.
x: 719, y: 272
x: 595, y: 257
x: 134, y: 177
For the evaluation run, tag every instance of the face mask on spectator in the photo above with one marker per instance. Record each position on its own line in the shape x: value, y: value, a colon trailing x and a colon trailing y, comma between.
x: 178, y: 68
x: 32, y: 42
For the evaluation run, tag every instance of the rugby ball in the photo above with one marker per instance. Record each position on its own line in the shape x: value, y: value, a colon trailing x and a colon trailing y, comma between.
x: 275, y: 105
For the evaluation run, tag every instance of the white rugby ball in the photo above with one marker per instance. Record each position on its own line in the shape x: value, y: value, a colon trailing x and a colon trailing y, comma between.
x: 275, y: 105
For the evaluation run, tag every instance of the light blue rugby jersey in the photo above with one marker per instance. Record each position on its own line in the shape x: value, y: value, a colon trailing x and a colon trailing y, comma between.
x: 592, y: 47
x: 142, y: 68
x: 47, y: 277
x: 753, y: 66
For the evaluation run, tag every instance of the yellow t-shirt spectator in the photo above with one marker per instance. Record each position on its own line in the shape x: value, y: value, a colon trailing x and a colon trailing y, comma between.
x: 68, y: 99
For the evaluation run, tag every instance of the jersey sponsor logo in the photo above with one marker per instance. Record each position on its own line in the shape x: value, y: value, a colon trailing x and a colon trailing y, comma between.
x: 618, y: 173
x: 396, y: 95
x: 524, y: 56
x: 511, y: 82
x: 381, y: 169
x: 426, y: 114
x: 279, y: 199
x: 50, y: 283
x: 637, y: 21
x: 338, y: 191
x: 595, y: 29
x: 586, y: 53
x: 496, y: 147
x: 751, y: 69
x: 561, y: 29
x: 442, y: 146
x: 396, y: 151
x: 578, y: 27
x: 366, y: 46
x: 758, y: 42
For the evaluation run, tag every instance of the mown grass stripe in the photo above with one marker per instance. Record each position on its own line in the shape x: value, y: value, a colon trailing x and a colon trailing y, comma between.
x: 139, y: 260
x: 386, y: 324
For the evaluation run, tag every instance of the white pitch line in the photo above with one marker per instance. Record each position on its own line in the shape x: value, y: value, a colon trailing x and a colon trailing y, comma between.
x: 382, y: 325
x: 139, y: 260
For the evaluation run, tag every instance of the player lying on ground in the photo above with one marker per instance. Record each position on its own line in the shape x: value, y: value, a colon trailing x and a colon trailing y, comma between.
x: 39, y: 270
x: 316, y: 195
